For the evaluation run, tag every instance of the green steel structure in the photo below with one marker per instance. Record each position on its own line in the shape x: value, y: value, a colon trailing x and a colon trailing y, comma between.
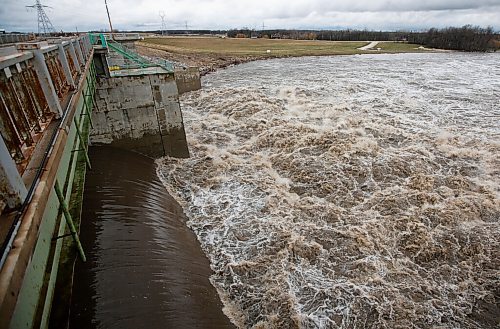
x: 63, y: 89
x: 134, y: 59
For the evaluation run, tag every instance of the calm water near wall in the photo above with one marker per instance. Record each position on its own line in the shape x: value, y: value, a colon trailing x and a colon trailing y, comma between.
x: 348, y: 191
x: 145, y: 268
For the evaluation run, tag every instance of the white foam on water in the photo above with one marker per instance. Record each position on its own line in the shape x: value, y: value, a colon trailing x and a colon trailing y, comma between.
x: 349, y: 191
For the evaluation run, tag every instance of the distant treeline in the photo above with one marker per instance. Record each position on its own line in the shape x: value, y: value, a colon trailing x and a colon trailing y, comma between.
x: 466, y: 38
x: 184, y: 32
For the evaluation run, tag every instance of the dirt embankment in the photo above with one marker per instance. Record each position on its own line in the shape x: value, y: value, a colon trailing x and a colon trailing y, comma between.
x: 205, y: 61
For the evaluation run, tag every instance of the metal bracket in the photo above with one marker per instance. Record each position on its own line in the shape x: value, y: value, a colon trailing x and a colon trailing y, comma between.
x: 82, y: 143
x: 86, y: 107
x: 69, y: 220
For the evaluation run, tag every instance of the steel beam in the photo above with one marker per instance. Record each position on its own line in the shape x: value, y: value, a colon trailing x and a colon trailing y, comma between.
x: 87, y: 41
x: 46, y: 83
x: 84, y: 48
x: 65, y: 65
x: 69, y: 221
x: 74, y: 58
x: 86, y: 44
x: 10, y: 60
x: 79, y: 52
x: 12, y: 188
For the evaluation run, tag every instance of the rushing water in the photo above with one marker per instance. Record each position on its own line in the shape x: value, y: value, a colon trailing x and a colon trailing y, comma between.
x: 144, y: 267
x: 348, y: 191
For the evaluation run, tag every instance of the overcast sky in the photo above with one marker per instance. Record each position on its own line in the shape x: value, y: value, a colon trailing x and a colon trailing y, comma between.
x: 86, y: 15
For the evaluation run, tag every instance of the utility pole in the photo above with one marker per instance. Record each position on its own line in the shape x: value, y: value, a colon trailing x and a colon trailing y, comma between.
x: 109, y: 19
x: 162, y: 16
x: 45, y: 26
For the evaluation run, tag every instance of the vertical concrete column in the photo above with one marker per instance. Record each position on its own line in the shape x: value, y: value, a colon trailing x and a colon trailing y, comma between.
x: 84, y: 48
x: 12, y: 189
x: 79, y: 52
x: 87, y: 44
x: 65, y: 64
x: 46, y: 83
x: 74, y: 58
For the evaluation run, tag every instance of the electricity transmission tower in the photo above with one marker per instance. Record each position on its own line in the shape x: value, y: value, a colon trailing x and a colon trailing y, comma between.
x: 45, y: 26
x: 163, y: 27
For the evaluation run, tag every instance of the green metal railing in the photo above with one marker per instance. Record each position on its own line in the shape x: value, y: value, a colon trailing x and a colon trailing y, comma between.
x: 138, y: 61
x: 96, y: 38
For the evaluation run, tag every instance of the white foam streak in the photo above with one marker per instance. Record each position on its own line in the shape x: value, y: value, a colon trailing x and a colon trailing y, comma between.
x: 359, y: 200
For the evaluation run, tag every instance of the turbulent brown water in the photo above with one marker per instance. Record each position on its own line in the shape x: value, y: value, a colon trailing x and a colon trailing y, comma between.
x: 348, y: 191
x: 144, y: 267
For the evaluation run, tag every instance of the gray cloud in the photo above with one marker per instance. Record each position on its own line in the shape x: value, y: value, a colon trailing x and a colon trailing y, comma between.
x: 222, y: 14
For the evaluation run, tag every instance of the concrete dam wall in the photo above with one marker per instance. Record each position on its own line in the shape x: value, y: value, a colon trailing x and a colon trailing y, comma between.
x: 53, y: 95
x: 140, y: 111
x: 188, y: 79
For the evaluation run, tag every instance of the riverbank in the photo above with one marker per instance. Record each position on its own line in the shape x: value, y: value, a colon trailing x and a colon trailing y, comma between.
x: 211, y: 53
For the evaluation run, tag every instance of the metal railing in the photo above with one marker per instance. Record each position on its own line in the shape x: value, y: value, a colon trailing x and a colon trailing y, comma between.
x: 127, y: 59
x: 15, y: 37
x: 35, y: 80
x: 24, y: 109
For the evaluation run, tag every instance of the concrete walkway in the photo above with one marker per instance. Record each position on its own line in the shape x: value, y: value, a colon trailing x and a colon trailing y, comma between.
x: 369, y: 46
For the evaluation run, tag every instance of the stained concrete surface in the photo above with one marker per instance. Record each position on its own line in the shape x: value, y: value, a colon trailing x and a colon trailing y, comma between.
x: 140, y: 113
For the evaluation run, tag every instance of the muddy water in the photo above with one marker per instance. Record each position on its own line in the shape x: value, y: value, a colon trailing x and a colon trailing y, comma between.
x: 145, y: 268
x: 348, y: 191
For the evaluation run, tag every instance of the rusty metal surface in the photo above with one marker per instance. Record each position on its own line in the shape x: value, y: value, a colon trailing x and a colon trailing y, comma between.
x: 57, y: 74
x: 26, y: 232
x: 24, y: 112
x: 25, y: 109
x: 9, y: 132
x: 72, y: 66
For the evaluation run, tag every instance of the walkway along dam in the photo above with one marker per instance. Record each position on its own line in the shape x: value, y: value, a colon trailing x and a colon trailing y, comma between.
x: 60, y: 99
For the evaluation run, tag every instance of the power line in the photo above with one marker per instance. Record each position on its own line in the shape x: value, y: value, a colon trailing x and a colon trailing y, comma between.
x: 45, y: 26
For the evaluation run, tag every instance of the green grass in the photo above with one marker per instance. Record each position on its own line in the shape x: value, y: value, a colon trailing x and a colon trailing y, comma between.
x: 398, y: 47
x: 254, y: 47
x: 278, y: 48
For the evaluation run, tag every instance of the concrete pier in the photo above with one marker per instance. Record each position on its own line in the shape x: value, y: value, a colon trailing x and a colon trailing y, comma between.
x: 139, y: 110
x: 137, y: 102
x: 188, y: 79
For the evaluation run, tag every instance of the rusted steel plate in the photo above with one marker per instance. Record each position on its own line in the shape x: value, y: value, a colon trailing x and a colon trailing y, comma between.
x: 14, y: 110
x: 24, y: 112
x: 9, y: 132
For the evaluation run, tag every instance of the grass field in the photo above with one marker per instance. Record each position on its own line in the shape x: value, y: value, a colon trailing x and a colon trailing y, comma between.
x: 398, y: 47
x: 266, y: 47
